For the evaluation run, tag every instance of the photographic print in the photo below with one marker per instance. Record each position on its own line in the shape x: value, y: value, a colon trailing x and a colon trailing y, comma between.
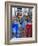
x: 20, y: 22
x: 21, y: 25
